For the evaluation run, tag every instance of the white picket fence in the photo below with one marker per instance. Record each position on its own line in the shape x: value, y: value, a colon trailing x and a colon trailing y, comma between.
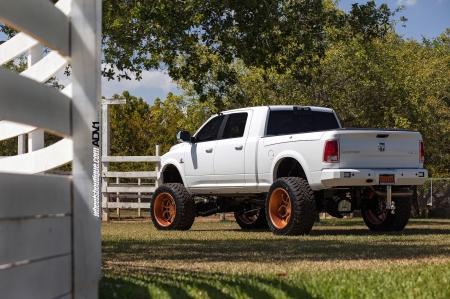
x: 50, y: 241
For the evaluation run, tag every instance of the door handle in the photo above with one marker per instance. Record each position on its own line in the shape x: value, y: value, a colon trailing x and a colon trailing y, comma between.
x: 209, y: 150
x: 238, y: 148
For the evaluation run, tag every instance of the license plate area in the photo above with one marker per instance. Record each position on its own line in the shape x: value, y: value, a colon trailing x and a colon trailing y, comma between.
x: 386, y: 179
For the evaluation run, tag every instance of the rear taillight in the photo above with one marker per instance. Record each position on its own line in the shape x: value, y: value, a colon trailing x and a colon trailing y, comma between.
x: 331, y: 151
x: 422, y: 152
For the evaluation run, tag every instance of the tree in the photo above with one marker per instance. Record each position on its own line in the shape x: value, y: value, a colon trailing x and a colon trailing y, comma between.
x: 174, y: 114
x: 130, y: 133
x: 190, y: 37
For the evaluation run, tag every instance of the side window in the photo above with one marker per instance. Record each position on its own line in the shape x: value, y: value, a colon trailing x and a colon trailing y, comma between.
x: 210, y: 130
x: 235, y: 126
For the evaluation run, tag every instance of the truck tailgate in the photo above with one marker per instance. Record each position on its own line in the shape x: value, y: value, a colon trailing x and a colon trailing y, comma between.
x: 367, y: 148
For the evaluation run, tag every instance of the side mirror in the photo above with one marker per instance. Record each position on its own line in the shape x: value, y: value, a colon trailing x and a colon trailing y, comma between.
x: 184, y: 136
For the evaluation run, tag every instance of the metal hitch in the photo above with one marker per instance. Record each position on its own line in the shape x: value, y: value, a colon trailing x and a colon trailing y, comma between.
x: 390, y: 205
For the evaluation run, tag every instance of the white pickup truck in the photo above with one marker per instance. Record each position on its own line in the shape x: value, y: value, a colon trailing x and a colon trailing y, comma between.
x: 277, y: 166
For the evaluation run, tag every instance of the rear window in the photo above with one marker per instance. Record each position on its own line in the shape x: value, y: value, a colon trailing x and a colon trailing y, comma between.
x: 284, y: 122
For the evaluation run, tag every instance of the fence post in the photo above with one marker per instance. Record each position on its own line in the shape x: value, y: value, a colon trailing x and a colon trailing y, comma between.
x: 431, y: 195
x: 117, y: 198
x: 105, y: 165
x: 139, y: 199
x: 157, y: 164
x: 85, y: 46
x: 35, y: 138
x: 21, y: 145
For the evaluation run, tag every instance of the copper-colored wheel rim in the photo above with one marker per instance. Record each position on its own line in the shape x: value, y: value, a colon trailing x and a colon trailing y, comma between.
x: 165, y: 209
x: 249, y: 218
x: 375, y: 218
x: 280, y: 208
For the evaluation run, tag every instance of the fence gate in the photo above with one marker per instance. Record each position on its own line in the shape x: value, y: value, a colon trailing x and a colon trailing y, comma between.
x: 50, y: 242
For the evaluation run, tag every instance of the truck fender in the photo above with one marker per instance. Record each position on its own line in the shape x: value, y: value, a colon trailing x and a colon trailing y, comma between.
x: 290, y: 154
x: 177, y: 164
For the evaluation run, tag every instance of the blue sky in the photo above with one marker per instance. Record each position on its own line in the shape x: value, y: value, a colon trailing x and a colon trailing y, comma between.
x: 425, y: 18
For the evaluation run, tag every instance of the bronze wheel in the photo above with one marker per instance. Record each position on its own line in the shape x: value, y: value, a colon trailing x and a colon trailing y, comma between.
x: 172, y: 207
x: 378, y: 218
x: 280, y: 208
x: 250, y: 216
x: 165, y: 210
x: 290, y: 207
x: 375, y: 217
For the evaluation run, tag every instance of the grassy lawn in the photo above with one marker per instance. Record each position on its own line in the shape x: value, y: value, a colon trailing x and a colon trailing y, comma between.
x: 340, y: 259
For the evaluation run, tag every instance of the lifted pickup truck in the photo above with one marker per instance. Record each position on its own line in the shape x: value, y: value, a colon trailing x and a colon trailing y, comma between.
x: 277, y: 166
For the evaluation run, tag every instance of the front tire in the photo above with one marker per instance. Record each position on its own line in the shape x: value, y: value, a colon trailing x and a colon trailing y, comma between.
x: 250, y: 216
x: 172, y: 207
x: 378, y: 218
x: 290, y: 207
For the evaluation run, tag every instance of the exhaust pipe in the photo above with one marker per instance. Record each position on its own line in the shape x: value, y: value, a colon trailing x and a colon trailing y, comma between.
x: 395, y: 193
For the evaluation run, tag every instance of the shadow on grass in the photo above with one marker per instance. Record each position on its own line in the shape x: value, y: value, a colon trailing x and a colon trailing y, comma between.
x: 316, y: 247
x: 155, y: 282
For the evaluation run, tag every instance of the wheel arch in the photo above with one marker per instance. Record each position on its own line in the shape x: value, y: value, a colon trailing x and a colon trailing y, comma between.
x: 172, y: 172
x: 290, y: 164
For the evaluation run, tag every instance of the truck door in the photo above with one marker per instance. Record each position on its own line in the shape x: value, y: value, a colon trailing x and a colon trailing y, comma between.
x: 229, y: 156
x: 199, y: 156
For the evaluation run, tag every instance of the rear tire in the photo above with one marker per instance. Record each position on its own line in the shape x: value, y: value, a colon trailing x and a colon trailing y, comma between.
x: 172, y: 207
x: 381, y: 219
x: 290, y: 207
x: 251, y: 216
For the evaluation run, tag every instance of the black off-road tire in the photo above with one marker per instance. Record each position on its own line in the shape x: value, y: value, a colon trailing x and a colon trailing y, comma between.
x: 172, y: 207
x: 251, y: 220
x: 391, y: 222
x: 302, y: 207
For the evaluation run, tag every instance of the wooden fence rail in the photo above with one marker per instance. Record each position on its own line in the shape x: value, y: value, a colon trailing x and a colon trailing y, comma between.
x: 118, y: 191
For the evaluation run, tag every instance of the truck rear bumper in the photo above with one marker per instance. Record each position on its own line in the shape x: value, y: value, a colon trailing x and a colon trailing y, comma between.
x: 370, y: 177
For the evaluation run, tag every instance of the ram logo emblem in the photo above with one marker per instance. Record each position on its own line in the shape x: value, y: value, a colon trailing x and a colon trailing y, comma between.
x: 381, y: 146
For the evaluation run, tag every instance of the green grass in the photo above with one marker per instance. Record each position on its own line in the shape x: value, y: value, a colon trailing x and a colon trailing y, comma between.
x: 339, y: 259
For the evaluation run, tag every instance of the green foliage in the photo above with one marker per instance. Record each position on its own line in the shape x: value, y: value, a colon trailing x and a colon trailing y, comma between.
x: 174, y: 114
x: 190, y: 37
x: 130, y: 133
x: 8, y: 147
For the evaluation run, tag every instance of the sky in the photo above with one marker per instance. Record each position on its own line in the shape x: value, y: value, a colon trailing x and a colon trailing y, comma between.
x: 427, y: 18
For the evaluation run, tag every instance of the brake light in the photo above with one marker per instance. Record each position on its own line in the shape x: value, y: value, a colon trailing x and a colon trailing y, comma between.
x: 331, y: 151
x: 422, y: 152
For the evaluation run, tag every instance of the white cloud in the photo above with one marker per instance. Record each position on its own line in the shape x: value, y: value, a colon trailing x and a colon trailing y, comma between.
x: 154, y: 84
x: 406, y: 2
x: 150, y: 80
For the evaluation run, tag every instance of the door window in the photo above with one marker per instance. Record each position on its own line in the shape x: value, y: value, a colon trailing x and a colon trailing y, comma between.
x: 235, y: 126
x: 210, y: 131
